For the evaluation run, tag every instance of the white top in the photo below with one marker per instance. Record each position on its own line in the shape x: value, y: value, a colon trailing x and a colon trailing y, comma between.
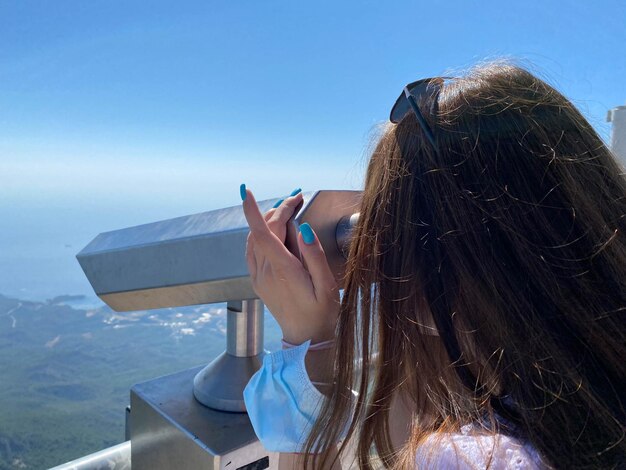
x: 282, y: 404
x: 469, y: 450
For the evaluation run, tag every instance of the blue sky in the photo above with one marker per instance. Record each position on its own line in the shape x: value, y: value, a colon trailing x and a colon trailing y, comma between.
x: 116, y: 113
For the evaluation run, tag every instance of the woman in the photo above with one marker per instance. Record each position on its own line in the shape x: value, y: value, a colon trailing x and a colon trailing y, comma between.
x: 487, y: 270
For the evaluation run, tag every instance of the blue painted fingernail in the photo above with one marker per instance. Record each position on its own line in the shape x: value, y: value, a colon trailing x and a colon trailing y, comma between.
x: 295, y: 191
x: 278, y: 203
x: 307, y: 233
x: 242, y: 192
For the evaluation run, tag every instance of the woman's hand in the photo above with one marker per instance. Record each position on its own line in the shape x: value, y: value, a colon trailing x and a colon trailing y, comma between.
x: 303, y: 299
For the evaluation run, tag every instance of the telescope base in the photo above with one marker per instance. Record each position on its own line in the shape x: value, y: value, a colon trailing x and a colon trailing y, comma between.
x: 220, y: 384
x: 170, y: 429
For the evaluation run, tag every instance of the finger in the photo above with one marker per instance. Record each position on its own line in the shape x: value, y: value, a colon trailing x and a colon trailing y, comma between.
x: 276, y: 229
x: 255, y: 257
x: 315, y: 258
x: 252, y: 213
x: 269, y: 214
x: 260, y: 257
x: 266, y: 243
x: 250, y: 257
x: 284, y: 212
x: 287, y: 208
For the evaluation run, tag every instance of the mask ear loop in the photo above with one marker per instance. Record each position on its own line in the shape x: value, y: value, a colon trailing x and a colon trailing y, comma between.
x: 313, y: 347
x: 440, y: 307
x: 443, y: 318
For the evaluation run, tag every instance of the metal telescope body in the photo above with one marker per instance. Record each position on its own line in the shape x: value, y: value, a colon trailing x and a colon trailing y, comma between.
x: 186, y: 420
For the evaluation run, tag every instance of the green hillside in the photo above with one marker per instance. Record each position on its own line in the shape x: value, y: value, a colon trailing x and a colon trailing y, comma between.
x: 65, y: 373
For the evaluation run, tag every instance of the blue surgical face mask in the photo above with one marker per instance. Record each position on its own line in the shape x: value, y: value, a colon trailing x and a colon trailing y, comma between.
x: 282, y: 402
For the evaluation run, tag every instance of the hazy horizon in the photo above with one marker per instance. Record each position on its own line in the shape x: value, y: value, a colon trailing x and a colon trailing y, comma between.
x: 112, y: 114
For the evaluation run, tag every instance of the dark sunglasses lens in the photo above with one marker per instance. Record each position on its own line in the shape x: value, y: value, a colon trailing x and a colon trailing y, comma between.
x: 399, y: 109
x: 402, y: 106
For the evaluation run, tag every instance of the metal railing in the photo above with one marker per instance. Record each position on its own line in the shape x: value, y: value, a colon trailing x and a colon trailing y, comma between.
x: 116, y: 457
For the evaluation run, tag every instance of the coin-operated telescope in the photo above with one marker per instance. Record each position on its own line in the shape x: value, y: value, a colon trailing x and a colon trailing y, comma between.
x: 196, y: 418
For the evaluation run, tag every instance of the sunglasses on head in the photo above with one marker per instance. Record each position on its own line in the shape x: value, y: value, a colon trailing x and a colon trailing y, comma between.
x: 410, y: 96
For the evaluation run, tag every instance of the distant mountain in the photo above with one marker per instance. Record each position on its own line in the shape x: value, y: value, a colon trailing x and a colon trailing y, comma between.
x: 65, y: 372
x: 60, y: 299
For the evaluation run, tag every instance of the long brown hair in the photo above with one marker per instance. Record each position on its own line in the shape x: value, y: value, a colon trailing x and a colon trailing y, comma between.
x: 512, y: 234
